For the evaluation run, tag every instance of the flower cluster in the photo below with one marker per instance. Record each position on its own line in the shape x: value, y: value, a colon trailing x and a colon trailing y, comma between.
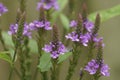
x: 83, y: 38
x: 88, y: 25
x: 92, y: 67
x: 40, y: 24
x: 55, y: 49
x: 28, y: 28
x: 14, y: 28
x: 73, y: 23
x: 48, y: 4
x: 3, y: 9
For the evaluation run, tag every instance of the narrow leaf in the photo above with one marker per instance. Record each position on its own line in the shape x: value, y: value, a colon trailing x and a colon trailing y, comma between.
x: 106, y: 14
x: 8, y: 41
x: 62, y: 4
x: 64, y: 57
x: 65, y: 21
x: 45, y: 62
x: 6, y: 57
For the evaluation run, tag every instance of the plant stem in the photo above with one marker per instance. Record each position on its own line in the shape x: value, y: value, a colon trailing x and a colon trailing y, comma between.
x: 96, y: 76
x: 19, y: 75
x: 73, y: 63
x: 54, y: 70
x: 90, y: 53
x: 2, y: 41
x: 12, y: 68
x: 44, y: 75
x: 40, y: 42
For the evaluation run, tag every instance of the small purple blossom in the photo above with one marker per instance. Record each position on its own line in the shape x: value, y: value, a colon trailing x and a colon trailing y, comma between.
x: 47, y: 25
x: 85, y: 39
x: 92, y: 67
x: 73, y: 36
x: 104, y: 70
x: 54, y: 55
x: 27, y: 31
x: 48, y: 4
x: 82, y: 38
x: 97, y: 40
x: 73, y: 23
x: 55, y: 49
x: 14, y: 28
x: 88, y: 25
x: 40, y: 24
x: 3, y: 9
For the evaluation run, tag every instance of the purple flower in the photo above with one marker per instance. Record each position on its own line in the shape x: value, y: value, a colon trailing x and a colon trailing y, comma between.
x: 14, y: 28
x: 40, y: 24
x: 3, y: 9
x: 104, y: 70
x: 85, y: 39
x: 73, y: 36
x: 97, y: 40
x: 55, y: 49
x: 48, y: 48
x: 73, y: 23
x: 27, y: 31
x: 82, y: 38
x: 48, y: 4
x: 88, y: 25
x: 54, y: 55
x: 92, y: 67
x: 47, y: 25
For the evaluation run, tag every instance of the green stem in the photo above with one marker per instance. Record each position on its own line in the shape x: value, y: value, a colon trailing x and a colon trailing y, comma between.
x: 36, y: 72
x: 12, y: 68
x: 19, y: 75
x: 2, y: 41
x: 73, y: 62
x: 58, y: 71
x: 11, y: 71
x: 54, y: 70
x: 40, y: 43
x: 44, y: 75
x: 96, y: 76
x: 27, y: 63
x: 90, y: 53
x: 22, y: 63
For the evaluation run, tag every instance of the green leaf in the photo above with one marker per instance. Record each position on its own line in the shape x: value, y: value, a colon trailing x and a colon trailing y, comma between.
x: 33, y: 46
x: 62, y: 4
x: 5, y: 56
x: 64, y: 57
x: 106, y: 14
x: 8, y: 41
x: 45, y: 62
x: 65, y: 21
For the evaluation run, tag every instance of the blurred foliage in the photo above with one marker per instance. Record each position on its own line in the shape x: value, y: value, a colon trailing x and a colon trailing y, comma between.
x: 5, y: 56
x: 45, y: 62
x: 106, y: 14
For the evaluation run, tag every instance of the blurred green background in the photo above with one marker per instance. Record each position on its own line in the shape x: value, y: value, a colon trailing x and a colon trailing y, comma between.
x: 110, y: 30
